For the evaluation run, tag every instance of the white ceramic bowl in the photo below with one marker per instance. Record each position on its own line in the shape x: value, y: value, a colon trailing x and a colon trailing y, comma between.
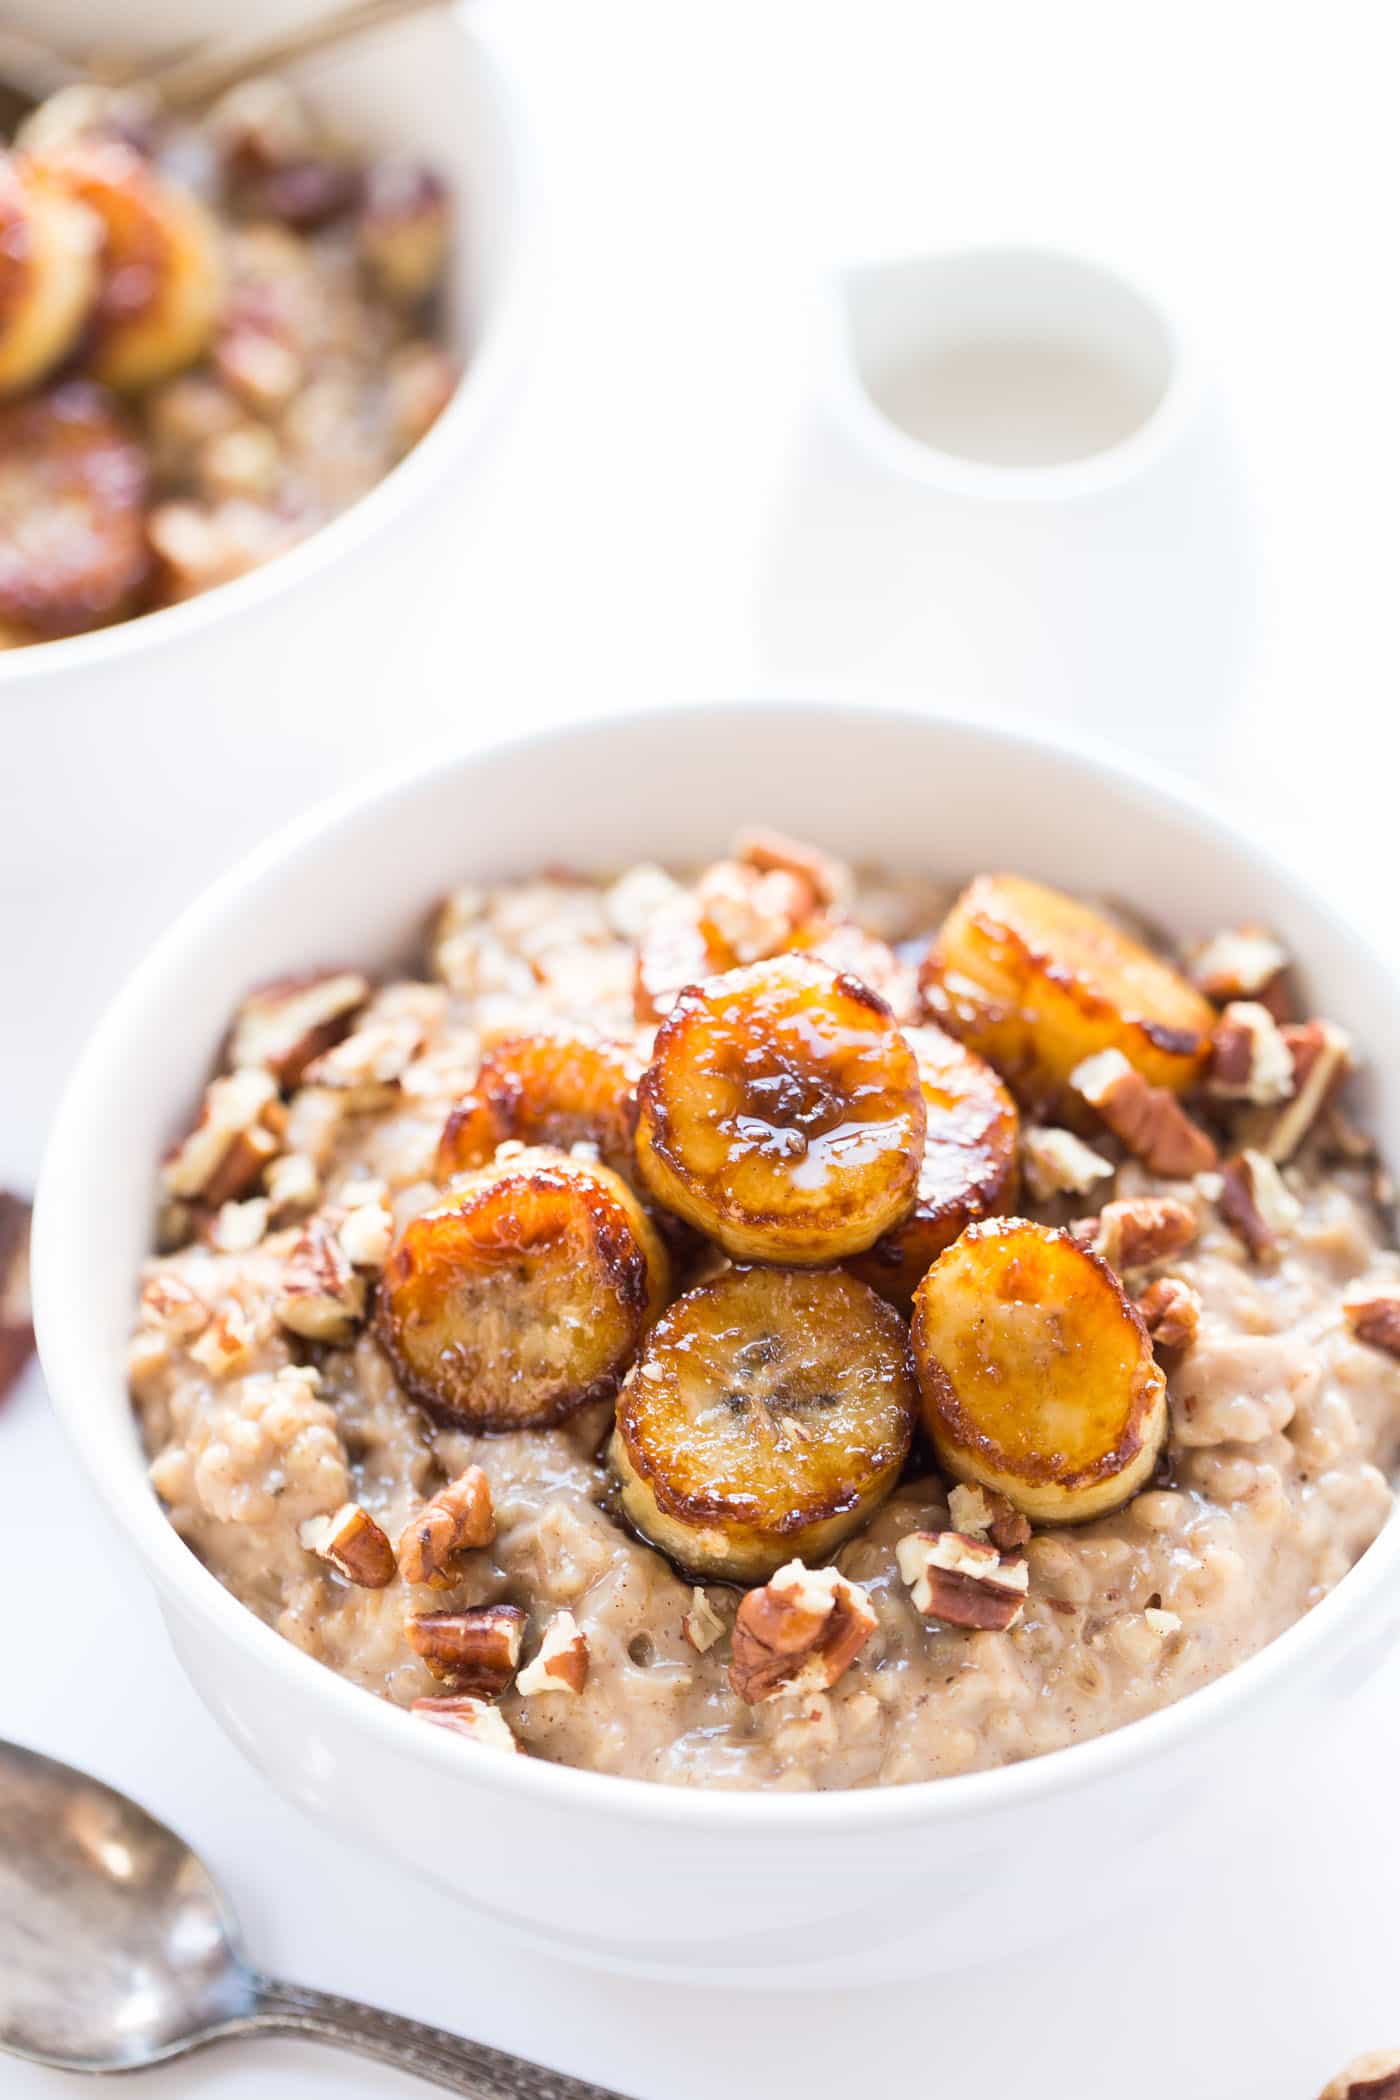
x: 770, y: 1888
x: 137, y: 762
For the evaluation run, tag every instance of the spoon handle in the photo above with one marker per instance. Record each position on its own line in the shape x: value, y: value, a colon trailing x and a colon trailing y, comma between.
x: 467, y: 2068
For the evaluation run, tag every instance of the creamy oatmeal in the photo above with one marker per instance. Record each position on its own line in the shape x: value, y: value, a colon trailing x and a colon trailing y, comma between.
x: 214, y: 336
x: 777, y: 1328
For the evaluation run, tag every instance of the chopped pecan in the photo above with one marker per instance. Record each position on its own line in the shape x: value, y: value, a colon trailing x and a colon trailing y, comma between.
x: 372, y: 1059
x: 1147, y: 1120
x: 798, y: 1633
x: 237, y: 1227
x: 980, y: 1512
x: 1244, y: 962
x: 172, y: 1308
x: 702, y: 1624
x: 16, y: 1318
x: 238, y: 1132
x: 1137, y: 1231
x: 1249, y: 1057
x: 475, y: 1650
x: 1376, y: 1320
x: 745, y: 915
x: 1171, y: 1312
x: 353, y: 1543
x: 1321, y: 1058
x: 1256, y: 1204
x: 225, y: 1348
x: 962, y: 1581
x: 284, y: 1026
x: 292, y: 1185
x: 1057, y: 1163
x: 1374, y: 2076
x: 473, y: 1718
x: 561, y: 1664
x: 458, y: 1518
x: 366, y: 1230
x: 828, y: 879
x: 321, y: 1296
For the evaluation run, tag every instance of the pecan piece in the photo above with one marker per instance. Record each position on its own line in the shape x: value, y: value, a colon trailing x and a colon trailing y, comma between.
x: 702, y: 1624
x: 1147, y: 1120
x: 237, y: 1134
x: 321, y: 1296
x: 1376, y: 1320
x: 1244, y: 962
x: 1057, y: 1163
x: 1249, y: 1056
x: 458, y: 1518
x: 1321, y: 1058
x: 282, y: 1027
x: 1171, y: 1313
x: 1256, y: 1204
x: 475, y: 1650
x: 473, y: 1718
x: 828, y: 879
x: 798, y: 1633
x: 561, y: 1664
x: 1139, y: 1230
x: 225, y: 1348
x: 746, y: 916
x: 353, y: 1544
x: 979, y: 1512
x: 1374, y: 2076
x: 170, y: 1307
x: 16, y: 1320
x: 962, y: 1581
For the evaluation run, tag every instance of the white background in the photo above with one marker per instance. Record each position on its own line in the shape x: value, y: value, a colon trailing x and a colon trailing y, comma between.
x: 698, y: 162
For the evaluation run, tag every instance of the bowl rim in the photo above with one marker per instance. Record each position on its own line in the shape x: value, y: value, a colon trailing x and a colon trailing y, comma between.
x: 488, y: 370
x: 183, y: 1581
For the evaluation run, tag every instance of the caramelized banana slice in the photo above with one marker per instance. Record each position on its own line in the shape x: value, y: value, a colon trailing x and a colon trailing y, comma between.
x: 48, y: 273
x: 969, y: 1168
x: 1037, y: 982
x: 545, y: 1090
x: 767, y: 1418
x: 1037, y: 1374
x: 159, y: 265
x: 524, y: 1295
x: 782, y: 1113
x: 72, y: 512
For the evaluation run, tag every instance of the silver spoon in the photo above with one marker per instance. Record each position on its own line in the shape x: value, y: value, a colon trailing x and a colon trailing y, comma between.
x: 117, y: 1951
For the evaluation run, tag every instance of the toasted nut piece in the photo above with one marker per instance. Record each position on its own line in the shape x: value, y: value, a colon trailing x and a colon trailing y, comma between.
x: 1171, y: 1313
x: 473, y: 1718
x: 562, y: 1662
x: 474, y: 1651
x: 225, y: 1348
x: 159, y: 263
x: 321, y: 1296
x: 48, y: 273
x: 524, y: 1295
x: 969, y: 1170
x: 747, y: 916
x: 353, y: 1544
x: 1249, y: 1058
x: 962, y: 1581
x: 1138, y: 1231
x: 169, y: 1306
x: 769, y: 1414
x: 799, y: 1633
x: 553, y: 1089
x: 236, y: 1136
x: 702, y: 1624
x: 1057, y: 1163
x: 782, y: 1114
x: 978, y: 1513
x: 366, y: 1229
x: 284, y: 1025
x: 292, y: 1185
x: 1374, y: 2076
x: 239, y: 1226
x: 828, y: 879
x: 1376, y: 1319
x: 1037, y: 1374
x: 1255, y: 1203
x: 1148, y: 1120
x: 1037, y: 982
x: 852, y: 952
x: 73, y: 549
x: 1242, y: 963
x: 673, y: 950
x: 375, y: 1055
x: 404, y: 226
x: 16, y: 1315
x: 457, y: 1519
x: 1321, y: 1056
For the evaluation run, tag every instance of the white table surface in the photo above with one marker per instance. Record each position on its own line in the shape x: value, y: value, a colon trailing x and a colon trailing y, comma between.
x: 697, y: 161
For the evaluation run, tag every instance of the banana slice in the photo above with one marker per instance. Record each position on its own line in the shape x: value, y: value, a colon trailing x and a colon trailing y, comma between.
x: 73, y: 549
x: 524, y: 1295
x: 782, y: 1113
x: 1037, y: 1374
x: 159, y: 265
x: 48, y: 273
x: 1037, y: 982
x: 545, y: 1090
x: 766, y: 1420
x: 970, y: 1164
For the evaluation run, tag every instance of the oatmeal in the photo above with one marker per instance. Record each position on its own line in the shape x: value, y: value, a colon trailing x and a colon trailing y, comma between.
x: 214, y: 337
x: 777, y: 1327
